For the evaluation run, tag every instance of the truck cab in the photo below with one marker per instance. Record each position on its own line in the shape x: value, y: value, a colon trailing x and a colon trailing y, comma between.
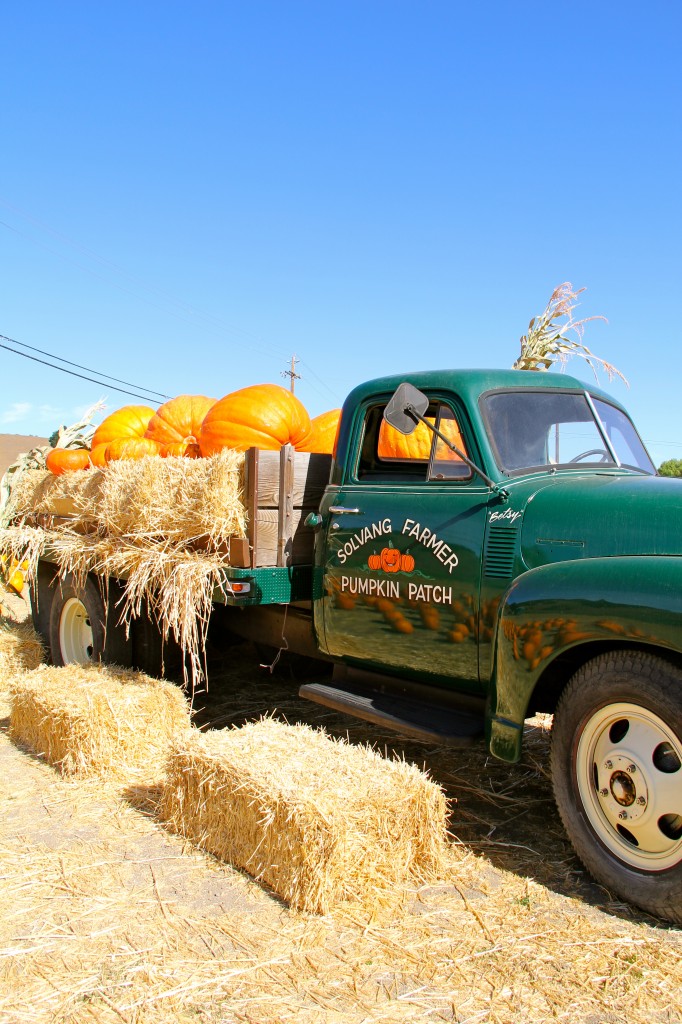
x: 515, y: 552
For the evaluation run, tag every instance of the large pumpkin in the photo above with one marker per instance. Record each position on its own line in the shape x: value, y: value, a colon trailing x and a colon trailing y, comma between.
x: 179, y: 420
x: 323, y: 433
x: 63, y: 460
x: 261, y: 416
x: 130, y: 421
x: 131, y: 448
x: 417, y: 445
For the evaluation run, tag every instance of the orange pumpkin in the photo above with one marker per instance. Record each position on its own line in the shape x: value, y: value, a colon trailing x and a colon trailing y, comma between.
x: 323, y: 433
x: 179, y: 420
x: 261, y: 416
x: 131, y: 448
x: 407, y: 562
x: 98, y: 456
x: 130, y: 421
x: 64, y: 460
x: 390, y: 559
x: 181, y: 449
x: 417, y: 445
x: 374, y: 562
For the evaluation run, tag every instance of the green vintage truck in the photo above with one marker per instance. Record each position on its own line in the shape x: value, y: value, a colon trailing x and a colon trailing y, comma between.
x: 486, y: 545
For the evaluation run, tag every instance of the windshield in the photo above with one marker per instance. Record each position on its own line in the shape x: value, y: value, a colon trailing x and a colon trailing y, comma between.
x: 529, y: 429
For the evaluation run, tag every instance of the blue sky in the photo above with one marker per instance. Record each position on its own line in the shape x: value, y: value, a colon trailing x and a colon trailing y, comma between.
x: 190, y: 194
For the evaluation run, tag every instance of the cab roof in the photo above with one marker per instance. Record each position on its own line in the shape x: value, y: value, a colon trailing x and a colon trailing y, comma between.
x: 471, y: 384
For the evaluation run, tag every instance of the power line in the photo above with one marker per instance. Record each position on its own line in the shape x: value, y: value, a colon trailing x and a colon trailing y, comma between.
x: 72, y: 373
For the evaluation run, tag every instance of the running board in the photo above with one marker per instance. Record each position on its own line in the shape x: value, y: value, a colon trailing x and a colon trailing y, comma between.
x: 432, y: 723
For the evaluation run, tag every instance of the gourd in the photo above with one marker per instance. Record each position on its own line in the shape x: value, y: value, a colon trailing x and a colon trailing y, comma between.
x: 129, y: 421
x: 264, y: 416
x: 179, y: 420
x: 65, y: 460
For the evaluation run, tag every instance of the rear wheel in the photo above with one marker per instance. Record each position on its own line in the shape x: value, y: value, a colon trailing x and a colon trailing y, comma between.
x: 82, y: 631
x: 617, y: 775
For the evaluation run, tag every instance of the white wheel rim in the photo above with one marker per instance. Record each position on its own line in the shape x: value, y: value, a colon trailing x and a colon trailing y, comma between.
x: 629, y: 775
x: 75, y: 633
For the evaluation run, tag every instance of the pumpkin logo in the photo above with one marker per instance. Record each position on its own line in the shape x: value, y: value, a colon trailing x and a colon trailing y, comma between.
x: 391, y: 560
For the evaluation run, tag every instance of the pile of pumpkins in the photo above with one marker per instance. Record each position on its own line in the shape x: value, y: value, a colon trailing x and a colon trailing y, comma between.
x: 192, y: 426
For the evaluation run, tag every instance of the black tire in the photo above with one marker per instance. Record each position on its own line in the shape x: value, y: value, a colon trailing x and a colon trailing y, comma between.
x: 617, y: 776
x: 42, y: 590
x: 82, y: 631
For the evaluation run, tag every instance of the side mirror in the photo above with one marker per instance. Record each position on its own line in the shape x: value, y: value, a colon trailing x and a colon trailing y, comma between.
x: 405, y: 400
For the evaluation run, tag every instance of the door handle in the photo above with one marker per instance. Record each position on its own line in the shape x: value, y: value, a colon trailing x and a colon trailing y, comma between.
x: 342, y: 510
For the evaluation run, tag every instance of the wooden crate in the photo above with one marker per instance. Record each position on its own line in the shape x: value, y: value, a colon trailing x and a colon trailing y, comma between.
x: 281, y: 488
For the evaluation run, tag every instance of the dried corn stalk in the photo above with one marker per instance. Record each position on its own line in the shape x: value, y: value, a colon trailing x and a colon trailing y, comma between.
x: 548, y: 337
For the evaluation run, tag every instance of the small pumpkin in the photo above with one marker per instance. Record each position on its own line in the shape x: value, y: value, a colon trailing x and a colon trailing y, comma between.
x: 324, y: 429
x: 65, y: 460
x: 407, y: 562
x: 374, y: 562
x: 390, y: 559
x: 129, y: 421
x: 179, y: 420
x: 131, y: 448
x: 262, y: 416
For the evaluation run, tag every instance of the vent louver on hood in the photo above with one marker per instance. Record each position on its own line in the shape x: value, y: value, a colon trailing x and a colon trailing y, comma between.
x: 500, y: 549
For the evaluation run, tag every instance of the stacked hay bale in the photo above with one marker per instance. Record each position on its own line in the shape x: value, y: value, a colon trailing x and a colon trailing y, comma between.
x: 164, y: 526
x: 101, y: 721
x: 322, y: 822
x: 21, y: 649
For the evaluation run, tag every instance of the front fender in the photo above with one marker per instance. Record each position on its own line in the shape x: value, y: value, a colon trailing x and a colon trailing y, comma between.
x: 557, y: 607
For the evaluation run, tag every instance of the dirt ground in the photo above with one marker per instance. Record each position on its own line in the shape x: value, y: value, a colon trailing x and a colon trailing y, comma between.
x: 106, y: 917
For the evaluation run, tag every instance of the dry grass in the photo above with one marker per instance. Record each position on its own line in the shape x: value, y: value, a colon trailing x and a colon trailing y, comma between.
x: 321, y: 821
x: 101, y: 721
x: 104, y: 918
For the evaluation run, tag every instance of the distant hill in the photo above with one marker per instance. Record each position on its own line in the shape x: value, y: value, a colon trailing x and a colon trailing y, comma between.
x: 12, y: 445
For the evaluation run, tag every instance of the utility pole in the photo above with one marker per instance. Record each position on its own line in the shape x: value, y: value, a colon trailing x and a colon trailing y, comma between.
x: 291, y: 373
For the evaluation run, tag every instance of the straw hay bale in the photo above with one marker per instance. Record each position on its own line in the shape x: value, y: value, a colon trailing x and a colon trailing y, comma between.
x: 20, y: 648
x: 97, y: 720
x: 319, y: 820
x: 172, y: 501
x: 138, y: 521
x: 42, y: 492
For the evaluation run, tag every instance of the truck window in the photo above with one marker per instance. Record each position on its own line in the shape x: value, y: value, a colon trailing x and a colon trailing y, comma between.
x: 532, y: 429
x: 386, y: 454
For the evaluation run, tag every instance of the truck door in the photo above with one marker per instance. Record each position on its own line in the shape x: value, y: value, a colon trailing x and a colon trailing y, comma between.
x: 403, y: 552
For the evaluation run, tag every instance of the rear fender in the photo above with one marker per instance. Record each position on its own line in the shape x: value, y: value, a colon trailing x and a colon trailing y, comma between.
x: 566, y: 606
